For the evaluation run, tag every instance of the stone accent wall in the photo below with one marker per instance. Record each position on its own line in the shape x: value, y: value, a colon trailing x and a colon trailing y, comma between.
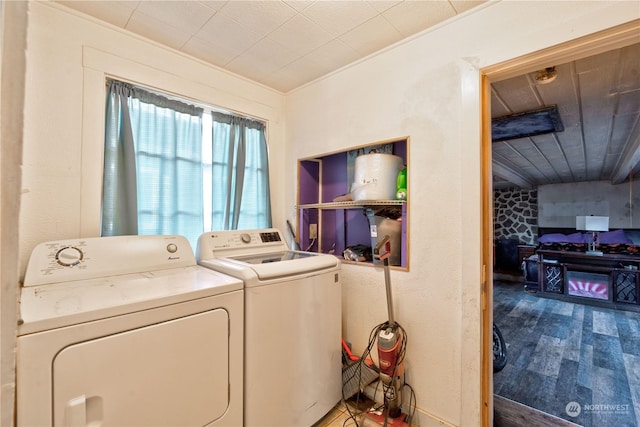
x: 515, y: 215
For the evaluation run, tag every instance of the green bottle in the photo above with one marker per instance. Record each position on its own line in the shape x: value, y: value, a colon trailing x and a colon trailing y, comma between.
x: 401, y: 185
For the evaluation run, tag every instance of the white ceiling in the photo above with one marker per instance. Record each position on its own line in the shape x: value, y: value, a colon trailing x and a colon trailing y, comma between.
x: 281, y: 44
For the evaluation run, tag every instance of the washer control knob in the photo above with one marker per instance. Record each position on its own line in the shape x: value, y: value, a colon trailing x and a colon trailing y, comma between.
x: 172, y: 248
x: 69, y: 256
x: 245, y: 237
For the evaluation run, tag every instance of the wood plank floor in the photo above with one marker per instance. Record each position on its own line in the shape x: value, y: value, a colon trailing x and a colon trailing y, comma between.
x: 574, y: 361
x: 508, y: 413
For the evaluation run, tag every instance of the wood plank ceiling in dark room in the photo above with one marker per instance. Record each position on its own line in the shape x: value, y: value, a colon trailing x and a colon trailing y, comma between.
x: 598, y: 101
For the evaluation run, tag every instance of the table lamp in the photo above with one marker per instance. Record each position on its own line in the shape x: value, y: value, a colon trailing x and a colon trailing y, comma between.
x: 593, y: 224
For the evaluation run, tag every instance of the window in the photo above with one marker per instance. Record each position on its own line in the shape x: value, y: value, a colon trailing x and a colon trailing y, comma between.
x: 175, y: 168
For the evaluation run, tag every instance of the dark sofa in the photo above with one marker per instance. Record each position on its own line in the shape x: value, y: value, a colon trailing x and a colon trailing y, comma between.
x: 506, y: 255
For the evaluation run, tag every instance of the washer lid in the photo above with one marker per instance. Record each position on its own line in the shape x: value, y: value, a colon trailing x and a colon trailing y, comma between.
x: 272, y: 257
x: 274, y: 265
x: 57, y: 305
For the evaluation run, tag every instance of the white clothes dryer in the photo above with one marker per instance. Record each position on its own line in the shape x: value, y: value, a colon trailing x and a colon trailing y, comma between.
x: 293, y: 324
x: 128, y: 331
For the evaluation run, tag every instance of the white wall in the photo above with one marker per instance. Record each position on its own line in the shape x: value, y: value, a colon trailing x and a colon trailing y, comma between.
x: 68, y: 57
x: 559, y: 204
x: 429, y: 88
x: 13, y: 35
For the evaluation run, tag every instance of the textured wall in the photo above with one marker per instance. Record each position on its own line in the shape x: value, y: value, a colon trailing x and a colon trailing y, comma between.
x: 13, y: 24
x: 559, y: 204
x: 515, y: 215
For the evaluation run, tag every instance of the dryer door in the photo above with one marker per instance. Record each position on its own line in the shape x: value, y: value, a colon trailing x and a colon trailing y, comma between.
x: 173, y: 373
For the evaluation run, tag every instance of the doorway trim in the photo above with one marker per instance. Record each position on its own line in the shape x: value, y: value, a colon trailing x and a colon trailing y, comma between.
x: 592, y: 44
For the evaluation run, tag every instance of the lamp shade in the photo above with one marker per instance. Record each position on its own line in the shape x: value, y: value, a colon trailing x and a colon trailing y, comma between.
x: 592, y: 223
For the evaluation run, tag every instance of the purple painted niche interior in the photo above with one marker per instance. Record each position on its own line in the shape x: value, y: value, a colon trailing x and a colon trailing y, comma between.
x: 340, y: 227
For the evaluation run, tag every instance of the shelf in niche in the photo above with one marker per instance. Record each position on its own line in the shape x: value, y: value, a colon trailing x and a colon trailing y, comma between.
x: 369, y: 264
x: 341, y: 224
x: 352, y: 204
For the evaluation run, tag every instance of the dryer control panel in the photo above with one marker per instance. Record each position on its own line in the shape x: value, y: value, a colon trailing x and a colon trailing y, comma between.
x: 82, y: 259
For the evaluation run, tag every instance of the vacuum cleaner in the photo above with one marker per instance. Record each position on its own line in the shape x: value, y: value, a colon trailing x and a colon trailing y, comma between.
x: 391, y: 350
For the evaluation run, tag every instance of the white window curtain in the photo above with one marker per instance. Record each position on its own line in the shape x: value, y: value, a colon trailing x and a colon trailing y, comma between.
x: 165, y: 174
x: 153, y: 165
x: 119, y: 193
x: 240, y: 174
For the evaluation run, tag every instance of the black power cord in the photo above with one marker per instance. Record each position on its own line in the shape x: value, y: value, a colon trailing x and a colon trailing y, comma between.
x: 366, y: 354
x: 358, y: 372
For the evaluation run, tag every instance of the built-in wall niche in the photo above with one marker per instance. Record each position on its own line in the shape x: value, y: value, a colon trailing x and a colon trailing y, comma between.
x: 328, y: 222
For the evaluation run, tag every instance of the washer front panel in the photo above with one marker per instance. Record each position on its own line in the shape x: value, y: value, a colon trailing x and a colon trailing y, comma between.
x: 292, y: 303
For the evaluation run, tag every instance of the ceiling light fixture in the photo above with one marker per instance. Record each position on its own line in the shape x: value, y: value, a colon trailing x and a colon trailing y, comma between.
x: 546, y: 75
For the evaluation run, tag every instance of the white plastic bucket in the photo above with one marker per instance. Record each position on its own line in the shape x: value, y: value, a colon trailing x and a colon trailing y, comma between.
x: 375, y: 176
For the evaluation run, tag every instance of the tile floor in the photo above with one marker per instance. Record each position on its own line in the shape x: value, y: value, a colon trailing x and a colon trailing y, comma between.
x: 338, y: 417
x: 342, y: 416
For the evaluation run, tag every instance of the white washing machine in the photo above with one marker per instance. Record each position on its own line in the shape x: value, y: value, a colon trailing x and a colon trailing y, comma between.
x: 293, y: 359
x: 128, y: 331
